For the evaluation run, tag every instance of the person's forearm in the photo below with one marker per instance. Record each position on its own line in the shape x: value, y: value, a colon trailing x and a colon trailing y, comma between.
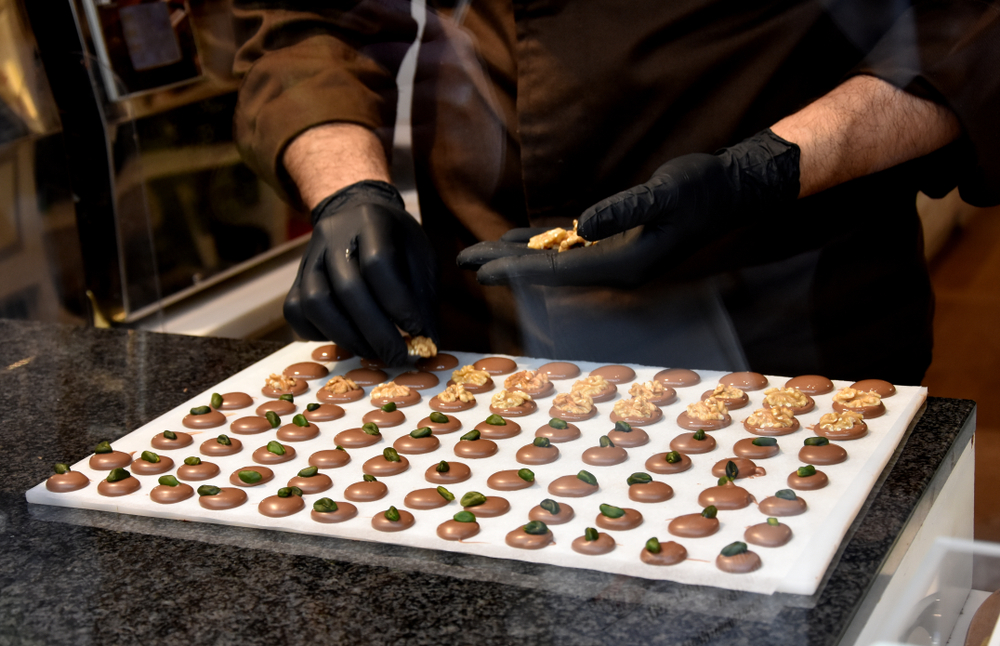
x: 325, y: 159
x: 863, y: 126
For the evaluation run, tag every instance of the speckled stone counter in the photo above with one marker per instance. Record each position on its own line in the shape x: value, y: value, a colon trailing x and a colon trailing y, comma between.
x: 81, y: 577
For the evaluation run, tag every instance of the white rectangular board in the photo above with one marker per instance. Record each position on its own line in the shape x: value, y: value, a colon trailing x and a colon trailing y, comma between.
x: 796, y: 568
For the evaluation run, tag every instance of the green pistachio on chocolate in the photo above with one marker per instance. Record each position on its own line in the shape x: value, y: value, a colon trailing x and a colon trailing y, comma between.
x: 623, y: 427
x: 733, y: 549
x: 536, y: 528
x: 249, y: 476
x: 201, y: 410
x: 816, y: 441
x: 339, y: 448
x: 103, y: 447
x: 558, y: 424
x: 149, y: 456
x: 590, y: 534
x: 208, y: 490
x: 324, y: 506
x: 311, y: 407
x: 390, y: 454
x: 526, y: 474
x: 192, y: 461
x: 118, y: 474
x: 370, y: 428
x: 464, y: 517
x: 606, y: 442
x: 438, y: 418
x: 61, y: 468
x: 168, y: 481
x: 699, y: 436
x: 388, y: 407
x: 442, y: 467
x: 471, y: 436
x: 496, y: 420
x: 170, y: 435
x: 611, y: 511
x: 542, y: 442
x: 709, y: 512
x: 806, y: 471
x: 550, y: 506
x: 447, y: 495
x: 732, y: 471
x: 472, y: 499
x: 653, y: 546
x: 723, y: 481
x: 216, y: 400
x: 764, y: 441
x: 587, y: 477
x: 275, y: 447
x: 673, y: 457
x: 785, y: 494
x: 421, y: 432
x: 392, y: 515
x: 369, y: 478
x: 300, y: 420
x: 308, y: 472
x: 288, y: 397
x: 289, y: 491
x: 639, y: 478
x: 773, y: 522
x: 272, y: 419
x: 224, y: 440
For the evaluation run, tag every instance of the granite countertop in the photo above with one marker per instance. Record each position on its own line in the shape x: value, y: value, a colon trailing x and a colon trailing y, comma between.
x: 79, y: 577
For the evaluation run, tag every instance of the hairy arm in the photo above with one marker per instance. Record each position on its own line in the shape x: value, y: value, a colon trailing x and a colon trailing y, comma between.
x: 326, y: 158
x: 863, y: 126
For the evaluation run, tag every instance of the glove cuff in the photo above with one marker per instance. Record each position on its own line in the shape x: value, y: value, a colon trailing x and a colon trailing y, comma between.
x: 369, y: 191
x: 768, y: 169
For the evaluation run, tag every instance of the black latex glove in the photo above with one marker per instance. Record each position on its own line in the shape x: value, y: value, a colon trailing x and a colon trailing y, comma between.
x: 689, y: 202
x: 368, y: 268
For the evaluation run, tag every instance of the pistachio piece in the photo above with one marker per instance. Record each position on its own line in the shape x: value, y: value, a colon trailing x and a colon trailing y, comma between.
x: 590, y: 534
x: 673, y: 457
x: 785, y: 494
x: 370, y: 428
x: 439, y: 418
x: 170, y: 435
x: 536, y: 528
x: 447, y: 495
x: 464, y: 517
x: 623, y: 427
x: 738, y: 547
x: 699, y: 436
x: 390, y: 454
x: 639, y: 478
x: 192, y: 460
x: 308, y: 472
x: 773, y: 522
x: 272, y: 419
x: 118, y: 474
x: 542, y: 442
x: 249, y: 476
x: 526, y: 474
x: 168, y: 481
x: 369, y: 478
x: 611, y: 511
x: 339, y: 448
x: 208, y: 490
x: 311, y: 407
x: 816, y: 441
x: 224, y: 440
x: 201, y: 410
x: 653, y: 546
x: 442, y: 467
x: 710, y: 511
x: 216, y: 400
x: 103, y: 447
x: 324, y: 506
x: 61, y: 468
x: 806, y: 471
x: 421, y: 432
x: 472, y: 499
x: 550, y: 506
x: 558, y: 424
x: 284, y: 492
x: 300, y: 420
x: 471, y: 436
x: 388, y: 407
x: 496, y: 420
x: 587, y: 477
x: 275, y: 447
x: 723, y: 481
x: 392, y: 514
x: 295, y: 491
x: 149, y: 456
x: 606, y: 442
x: 732, y: 471
x: 764, y: 441
x: 287, y: 397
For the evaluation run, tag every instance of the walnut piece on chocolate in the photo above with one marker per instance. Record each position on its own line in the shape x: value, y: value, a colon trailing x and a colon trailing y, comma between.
x: 456, y: 392
x: 708, y: 409
x: 280, y: 382
x: 421, y: 346
x: 559, y: 239
x: 574, y: 402
x: 851, y: 398
x: 526, y: 380
x: 389, y: 390
x: 510, y: 399
x: 469, y: 375
x: 785, y: 397
x: 840, y: 421
x: 649, y: 390
x: 339, y: 385
x: 725, y: 391
x: 776, y: 417
x: 635, y: 407
x: 590, y: 386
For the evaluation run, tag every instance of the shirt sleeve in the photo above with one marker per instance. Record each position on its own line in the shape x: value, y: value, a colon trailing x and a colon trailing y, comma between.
x: 307, y: 63
x: 949, y: 52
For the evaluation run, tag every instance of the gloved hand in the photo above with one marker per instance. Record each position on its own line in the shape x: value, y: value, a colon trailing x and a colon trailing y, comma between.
x: 689, y: 202
x: 368, y: 268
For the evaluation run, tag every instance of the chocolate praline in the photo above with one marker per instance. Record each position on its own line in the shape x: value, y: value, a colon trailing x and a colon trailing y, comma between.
x: 727, y: 496
x: 324, y: 413
x: 250, y: 426
x: 331, y: 397
x: 615, y: 373
x: 345, y: 511
x: 767, y: 535
x: 797, y: 410
x: 355, y: 438
x: 313, y: 484
x: 66, y: 482
x: 295, y: 433
x: 402, y: 401
x: 109, y: 461
x: 210, y: 419
x: 739, y: 564
x: 508, y: 480
x: 560, y: 370
x: 235, y: 401
x: 657, y: 463
x: 367, y: 376
x: 774, y: 506
x: 856, y: 432
x: 732, y: 403
x: 266, y: 475
x: 869, y: 412
x: 679, y: 377
x: 650, y: 492
x: 744, y: 380
x: 382, y: 418
x: 163, y: 443
x: 808, y: 483
x: 498, y: 431
x: 456, y: 406
x: 214, y: 448
x: 685, y: 443
x: 417, y: 379
x: 493, y: 507
x: 383, y: 524
x: 429, y: 498
x: 605, y: 395
x: 557, y: 435
x: 227, y: 498
x: 365, y: 491
x: 694, y: 424
x: 475, y: 389
x: 263, y: 456
x: 496, y: 365
x: 416, y: 445
x: 630, y: 520
x: 602, y: 545
x: 745, y: 448
x: 531, y: 454
x: 198, y: 472
x: 565, y: 514
x: 452, y: 530
x: 522, y: 540
x: 306, y: 370
x: 604, y: 456
x: 771, y: 431
x: 475, y: 449
x: 457, y: 472
x: 880, y: 386
x: 629, y: 439
x: 571, y: 487
x: 527, y: 408
x: 278, y: 507
x: 438, y: 363
x: 693, y: 526
x: 300, y: 387
x: 811, y: 384
x: 746, y: 467
x: 572, y: 417
x: 823, y: 455
x: 332, y: 352
x: 668, y: 397
x: 118, y: 488
x: 670, y: 553
x: 143, y: 468
x: 279, y: 407
x: 639, y: 421
x: 379, y: 466
x: 440, y: 428
x: 329, y: 459
x: 546, y: 390
x: 165, y: 495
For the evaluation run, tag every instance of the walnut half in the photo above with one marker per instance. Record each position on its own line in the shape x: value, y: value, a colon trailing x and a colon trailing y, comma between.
x: 421, y: 346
